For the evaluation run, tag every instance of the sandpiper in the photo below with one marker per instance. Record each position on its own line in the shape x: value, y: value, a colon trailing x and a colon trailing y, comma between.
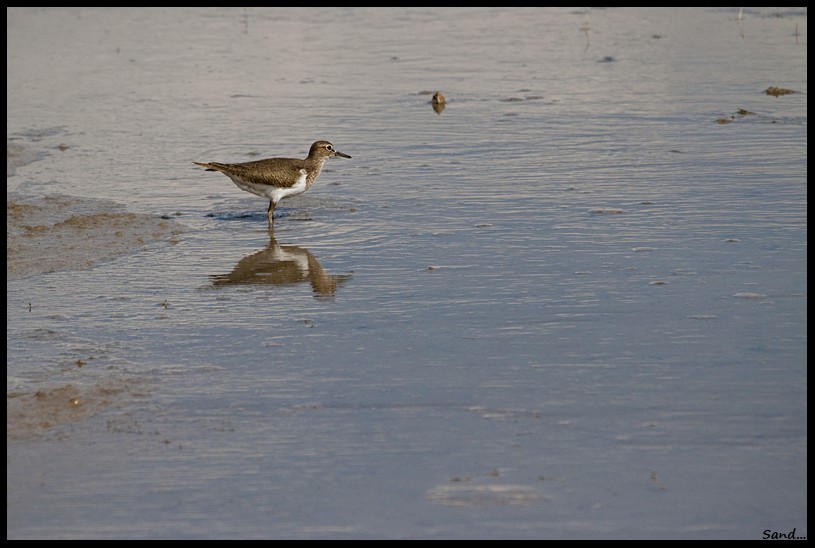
x: 278, y: 178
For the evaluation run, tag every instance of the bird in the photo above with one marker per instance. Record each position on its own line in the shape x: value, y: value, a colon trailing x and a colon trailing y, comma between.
x: 278, y: 178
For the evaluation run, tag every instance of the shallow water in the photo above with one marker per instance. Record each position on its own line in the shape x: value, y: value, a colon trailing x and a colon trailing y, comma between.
x: 572, y: 304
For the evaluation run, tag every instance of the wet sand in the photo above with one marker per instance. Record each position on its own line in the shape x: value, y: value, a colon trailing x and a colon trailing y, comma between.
x: 59, y: 233
x: 70, y: 233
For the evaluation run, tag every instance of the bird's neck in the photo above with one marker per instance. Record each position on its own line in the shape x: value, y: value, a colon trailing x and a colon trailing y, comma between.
x: 314, y: 167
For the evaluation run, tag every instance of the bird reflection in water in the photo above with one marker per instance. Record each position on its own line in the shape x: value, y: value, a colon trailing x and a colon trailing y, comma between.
x: 282, y: 265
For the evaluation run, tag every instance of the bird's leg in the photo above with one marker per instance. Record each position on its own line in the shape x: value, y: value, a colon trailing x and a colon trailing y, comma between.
x: 271, y: 213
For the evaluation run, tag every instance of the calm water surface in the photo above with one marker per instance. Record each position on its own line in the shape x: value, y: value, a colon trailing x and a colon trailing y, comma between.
x: 572, y: 304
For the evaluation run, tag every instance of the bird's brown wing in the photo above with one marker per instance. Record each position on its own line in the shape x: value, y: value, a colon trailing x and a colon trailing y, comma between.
x: 277, y: 172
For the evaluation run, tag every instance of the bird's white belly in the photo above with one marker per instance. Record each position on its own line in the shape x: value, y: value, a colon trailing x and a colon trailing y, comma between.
x: 273, y: 193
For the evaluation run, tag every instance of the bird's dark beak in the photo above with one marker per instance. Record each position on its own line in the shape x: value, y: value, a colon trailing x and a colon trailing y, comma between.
x: 338, y: 153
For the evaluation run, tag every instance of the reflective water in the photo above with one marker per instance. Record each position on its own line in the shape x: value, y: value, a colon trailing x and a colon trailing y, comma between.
x: 572, y: 303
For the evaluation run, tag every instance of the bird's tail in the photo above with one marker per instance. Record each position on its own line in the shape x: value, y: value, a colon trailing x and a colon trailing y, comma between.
x: 210, y: 167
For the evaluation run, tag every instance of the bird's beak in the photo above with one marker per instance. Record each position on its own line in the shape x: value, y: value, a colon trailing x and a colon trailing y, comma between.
x: 338, y: 153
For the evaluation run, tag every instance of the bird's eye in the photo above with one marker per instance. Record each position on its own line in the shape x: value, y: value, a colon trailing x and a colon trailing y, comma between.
x: 329, y: 147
